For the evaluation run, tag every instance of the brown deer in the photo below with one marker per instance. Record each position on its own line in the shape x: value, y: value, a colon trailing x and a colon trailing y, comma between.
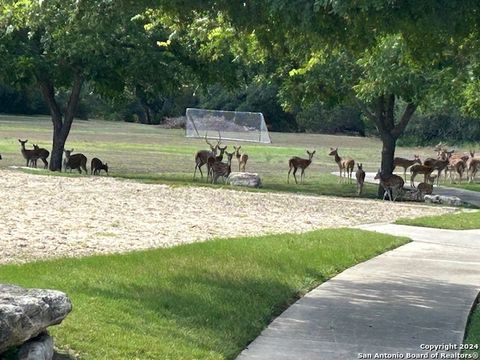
x: 473, y: 164
x: 420, y: 169
x: 30, y: 155
x: 213, y: 159
x: 221, y: 169
x: 242, y: 158
x: 346, y: 165
x: 42, y: 154
x: 202, y: 156
x: 425, y: 188
x: 456, y: 165
x: 439, y: 164
x: 96, y: 166
x: 405, y: 163
x: 296, y: 163
x: 390, y: 183
x: 75, y: 161
x: 360, y: 175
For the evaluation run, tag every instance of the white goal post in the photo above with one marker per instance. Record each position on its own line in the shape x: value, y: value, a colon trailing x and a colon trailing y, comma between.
x: 229, y: 125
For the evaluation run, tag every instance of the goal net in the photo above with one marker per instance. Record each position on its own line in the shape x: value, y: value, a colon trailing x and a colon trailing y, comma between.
x: 230, y: 125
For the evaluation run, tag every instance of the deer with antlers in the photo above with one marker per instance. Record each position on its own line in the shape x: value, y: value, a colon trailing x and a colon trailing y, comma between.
x: 296, y: 163
x: 390, y: 183
x: 202, y: 156
x: 405, y: 163
x: 242, y: 158
x: 345, y: 165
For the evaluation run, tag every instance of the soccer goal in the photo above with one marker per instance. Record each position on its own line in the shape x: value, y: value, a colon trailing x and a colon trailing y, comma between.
x: 229, y: 125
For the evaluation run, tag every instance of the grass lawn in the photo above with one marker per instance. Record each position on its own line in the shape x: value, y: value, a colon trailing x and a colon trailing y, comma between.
x: 199, y: 301
x: 475, y: 186
x: 455, y: 221
x: 472, y: 335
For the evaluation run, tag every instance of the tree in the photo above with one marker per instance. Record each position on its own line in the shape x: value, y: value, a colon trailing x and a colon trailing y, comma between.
x: 58, y: 44
x: 374, y: 54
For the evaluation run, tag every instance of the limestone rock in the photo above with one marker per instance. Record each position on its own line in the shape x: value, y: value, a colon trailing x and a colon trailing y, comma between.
x: 25, y: 313
x: 38, y: 348
x: 244, y: 179
x: 445, y: 200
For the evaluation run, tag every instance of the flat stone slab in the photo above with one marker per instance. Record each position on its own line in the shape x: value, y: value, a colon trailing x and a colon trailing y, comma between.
x: 420, y: 293
x: 25, y: 313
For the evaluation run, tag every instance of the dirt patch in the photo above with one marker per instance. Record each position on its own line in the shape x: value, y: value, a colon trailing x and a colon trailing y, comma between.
x: 45, y: 217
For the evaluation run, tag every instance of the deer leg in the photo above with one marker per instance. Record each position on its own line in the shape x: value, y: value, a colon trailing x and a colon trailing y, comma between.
x: 294, y: 172
x: 302, y: 176
x: 288, y: 176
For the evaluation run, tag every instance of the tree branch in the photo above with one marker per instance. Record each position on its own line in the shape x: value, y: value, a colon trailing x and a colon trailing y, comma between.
x: 390, y: 115
x: 48, y: 93
x: 407, y: 115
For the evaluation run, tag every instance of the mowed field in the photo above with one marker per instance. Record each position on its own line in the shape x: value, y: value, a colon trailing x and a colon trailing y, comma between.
x: 142, y: 149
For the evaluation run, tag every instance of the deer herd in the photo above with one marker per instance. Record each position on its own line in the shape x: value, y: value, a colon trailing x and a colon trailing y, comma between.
x: 452, y: 165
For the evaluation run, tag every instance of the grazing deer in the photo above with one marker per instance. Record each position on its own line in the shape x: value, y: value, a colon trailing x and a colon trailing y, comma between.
x: 390, y: 183
x: 96, y: 166
x: 29, y: 155
x: 360, y: 175
x: 202, y: 156
x: 75, y: 161
x: 405, y: 163
x: 420, y: 169
x: 346, y: 164
x: 296, y: 162
x: 222, y: 169
x: 242, y: 158
x: 42, y: 154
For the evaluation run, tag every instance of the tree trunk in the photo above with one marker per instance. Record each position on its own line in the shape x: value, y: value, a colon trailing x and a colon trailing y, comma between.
x: 389, y: 130
x: 61, y: 124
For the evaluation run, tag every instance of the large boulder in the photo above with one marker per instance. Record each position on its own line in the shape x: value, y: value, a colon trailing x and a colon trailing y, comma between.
x: 25, y: 313
x: 244, y: 179
x: 38, y: 348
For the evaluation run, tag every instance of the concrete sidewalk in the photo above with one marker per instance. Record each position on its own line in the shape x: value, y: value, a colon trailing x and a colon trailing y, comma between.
x: 420, y: 293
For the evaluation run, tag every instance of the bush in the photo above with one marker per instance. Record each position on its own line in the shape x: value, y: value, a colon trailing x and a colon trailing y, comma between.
x: 342, y: 119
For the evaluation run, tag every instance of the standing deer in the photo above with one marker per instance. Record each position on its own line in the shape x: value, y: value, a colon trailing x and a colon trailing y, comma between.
x: 202, y: 156
x: 346, y: 165
x: 75, y: 161
x: 439, y: 164
x: 360, y: 175
x: 242, y: 159
x: 420, y: 169
x: 390, y: 184
x: 221, y: 169
x: 405, y: 163
x: 212, y: 159
x: 296, y: 162
x: 42, y: 154
x: 29, y: 155
x: 473, y: 164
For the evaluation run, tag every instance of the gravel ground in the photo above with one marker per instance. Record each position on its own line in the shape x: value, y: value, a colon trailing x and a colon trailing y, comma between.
x: 48, y: 216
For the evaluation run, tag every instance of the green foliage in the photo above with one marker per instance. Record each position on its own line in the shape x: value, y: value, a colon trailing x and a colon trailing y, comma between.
x: 200, y: 301
x: 341, y: 119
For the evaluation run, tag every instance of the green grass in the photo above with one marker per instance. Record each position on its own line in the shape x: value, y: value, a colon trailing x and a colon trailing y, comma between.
x: 199, y: 301
x: 455, y: 221
x: 472, y: 334
x: 475, y: 186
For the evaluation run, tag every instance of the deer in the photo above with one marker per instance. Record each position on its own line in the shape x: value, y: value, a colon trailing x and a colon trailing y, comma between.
x: 212, y: 159
x: 221, y: 169
x: 456, y: 165
x: 296, y: 162
x: 473, y: 164
x: 242, y: 158
x: 29, y: 155
x: 42, y: 154
x: 346, y: 164
x: 420, y: 169
x: 360, y: 176
x: 202, y: 156
x: 96, y: 166
x: 75, y: 161
x: 390, y: 183
x: 439, y: 164
x: 405, y: 163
